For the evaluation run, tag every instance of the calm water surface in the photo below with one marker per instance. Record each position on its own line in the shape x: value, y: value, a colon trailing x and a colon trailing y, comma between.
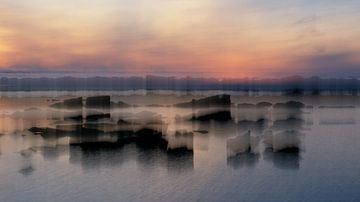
x: 307, y: 154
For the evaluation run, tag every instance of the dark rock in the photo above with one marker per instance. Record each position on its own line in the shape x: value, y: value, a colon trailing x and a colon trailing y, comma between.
x: 74, y: 118
x: 96, y: 117
x: 263, y: 104
x: 149, y: 137
x: 216, y: 116
x: 291, y: 150
x: 91, y: 136
x: 123, y: 122
x: 41, y: 131
x: 213, y: 101
x: 201, y: 131
x: 290, y: 105
x: 98, y: 102
x: 121, y: 104
x: 72, y: 103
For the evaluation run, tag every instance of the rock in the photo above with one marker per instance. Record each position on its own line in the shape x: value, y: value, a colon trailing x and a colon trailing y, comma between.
x: 123, y: 104
x: 290, y: 105
x: 72, y: 103
x: 78, y: 118
x: 96, y: 117
x: 263, y: 104
x: 213, y: 101
x: 201, y: 131
x: 102, y: 102
x: 216, y: 116
x: 123, y: 122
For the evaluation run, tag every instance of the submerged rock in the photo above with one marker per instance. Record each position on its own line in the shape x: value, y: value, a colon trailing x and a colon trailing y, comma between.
x: 213, y: 101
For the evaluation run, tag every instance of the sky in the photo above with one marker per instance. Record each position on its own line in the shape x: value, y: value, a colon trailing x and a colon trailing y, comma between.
x: 220, y: 38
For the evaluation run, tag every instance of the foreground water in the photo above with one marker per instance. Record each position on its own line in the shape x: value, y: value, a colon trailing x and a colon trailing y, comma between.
x: 309, y: 153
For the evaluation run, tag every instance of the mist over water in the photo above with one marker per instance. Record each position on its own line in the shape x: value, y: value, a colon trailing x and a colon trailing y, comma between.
x: 178, y: 146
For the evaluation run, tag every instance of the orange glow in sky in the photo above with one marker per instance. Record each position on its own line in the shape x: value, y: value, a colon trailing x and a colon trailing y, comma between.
x: 229, y: 38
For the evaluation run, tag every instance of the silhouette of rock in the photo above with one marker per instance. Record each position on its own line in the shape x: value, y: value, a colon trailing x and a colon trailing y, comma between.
x: 263, y: 104
x: 290, y: 104
x: 97, y: 117
x: 216, y: 116
x: 77, y: 118
x: 98, y: 102
x: 213, y: 101
x: 201, y: 131
x: 72, y: 103
x: 123, y: 122
x: 92, y: 136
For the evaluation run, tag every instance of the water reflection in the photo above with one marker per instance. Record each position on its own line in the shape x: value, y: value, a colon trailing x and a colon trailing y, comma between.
x: 27, y: 167
x: 245, y: 159
x: 286, y: 159
x: 0, y: 144
x: 281, y: 128
x: 337, y: 115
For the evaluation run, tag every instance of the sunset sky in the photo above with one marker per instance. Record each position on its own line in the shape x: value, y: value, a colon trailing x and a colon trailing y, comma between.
x: 224, y: 38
